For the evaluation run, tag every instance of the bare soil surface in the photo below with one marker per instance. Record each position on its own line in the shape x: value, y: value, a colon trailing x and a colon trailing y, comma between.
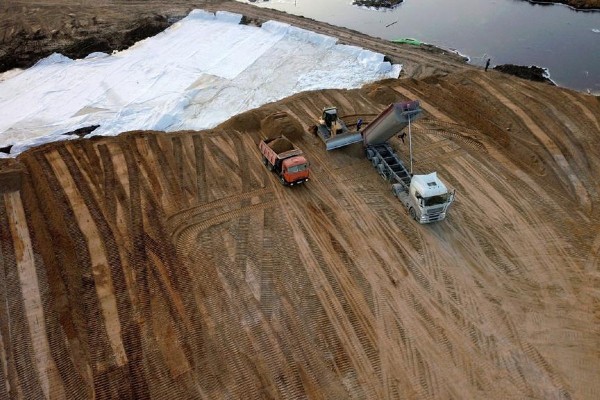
x: 175, y: 266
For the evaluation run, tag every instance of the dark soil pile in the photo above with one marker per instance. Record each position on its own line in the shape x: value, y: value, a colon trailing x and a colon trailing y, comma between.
x: 577, y: 4
x: 251, y: 119
x: 6, y: 149
x: 280, y: 145
x: 26, y: 47
x: 377, y: 3
x: 81, y: 132
x: 281, y: 123
x: 531, y: 73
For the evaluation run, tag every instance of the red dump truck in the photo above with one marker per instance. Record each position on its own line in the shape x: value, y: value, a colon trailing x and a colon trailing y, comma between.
x: 286, y: 160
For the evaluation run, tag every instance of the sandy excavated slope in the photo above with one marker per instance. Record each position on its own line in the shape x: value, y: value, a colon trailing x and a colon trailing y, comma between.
x: 177, y: 267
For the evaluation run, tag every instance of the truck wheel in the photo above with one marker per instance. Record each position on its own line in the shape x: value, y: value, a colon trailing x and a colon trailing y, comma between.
x: 370, y: 154
x: 282, y: 180
x: 375, y: 161
x: 413, y: 213
x: 269, y: 166
x: 264, y: 160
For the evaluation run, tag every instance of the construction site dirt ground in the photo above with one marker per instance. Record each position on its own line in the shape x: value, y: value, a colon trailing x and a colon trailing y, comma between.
x: 175, y: 266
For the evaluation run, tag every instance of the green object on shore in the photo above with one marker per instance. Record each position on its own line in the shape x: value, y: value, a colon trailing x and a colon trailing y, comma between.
x: 411, y: 41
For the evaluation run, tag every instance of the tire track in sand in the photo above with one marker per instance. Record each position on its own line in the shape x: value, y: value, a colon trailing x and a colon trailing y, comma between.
x: 559, y: 158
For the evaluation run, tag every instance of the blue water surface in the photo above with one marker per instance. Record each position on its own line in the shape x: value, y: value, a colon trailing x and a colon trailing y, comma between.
x: 556, y: 37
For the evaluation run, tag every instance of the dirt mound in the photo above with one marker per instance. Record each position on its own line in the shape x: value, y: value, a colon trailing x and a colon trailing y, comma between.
x: 280, y: 145
x: 531, y: 73
x: 249, y: 121
x: 281, y: 123
x: 382, y: 94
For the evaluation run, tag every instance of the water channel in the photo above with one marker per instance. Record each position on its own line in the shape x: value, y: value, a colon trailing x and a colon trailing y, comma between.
x: 556, y: 37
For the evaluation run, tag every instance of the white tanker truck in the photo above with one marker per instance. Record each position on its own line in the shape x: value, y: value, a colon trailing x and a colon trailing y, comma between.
x: 425, y: 196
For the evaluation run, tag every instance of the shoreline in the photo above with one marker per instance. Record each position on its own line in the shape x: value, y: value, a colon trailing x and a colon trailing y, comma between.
x: 32, y: 43
x: 585, y: 5
x: 588, y: 6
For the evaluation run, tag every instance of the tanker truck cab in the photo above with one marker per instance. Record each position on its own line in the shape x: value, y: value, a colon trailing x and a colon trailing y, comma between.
x: 429, y: 198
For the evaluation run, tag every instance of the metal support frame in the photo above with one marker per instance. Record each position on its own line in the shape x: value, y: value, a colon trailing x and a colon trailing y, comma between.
x: 410, y: 146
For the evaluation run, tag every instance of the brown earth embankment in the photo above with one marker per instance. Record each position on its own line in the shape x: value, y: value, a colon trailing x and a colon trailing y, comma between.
x: 176, y: 266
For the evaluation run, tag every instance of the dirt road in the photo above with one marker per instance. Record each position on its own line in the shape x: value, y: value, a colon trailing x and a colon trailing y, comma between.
x: 176, y: 266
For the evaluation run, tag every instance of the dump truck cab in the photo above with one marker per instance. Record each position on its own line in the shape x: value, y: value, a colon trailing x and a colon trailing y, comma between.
x: 295, y: 170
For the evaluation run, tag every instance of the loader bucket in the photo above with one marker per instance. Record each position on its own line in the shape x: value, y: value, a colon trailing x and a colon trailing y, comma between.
x: 343, y: 139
